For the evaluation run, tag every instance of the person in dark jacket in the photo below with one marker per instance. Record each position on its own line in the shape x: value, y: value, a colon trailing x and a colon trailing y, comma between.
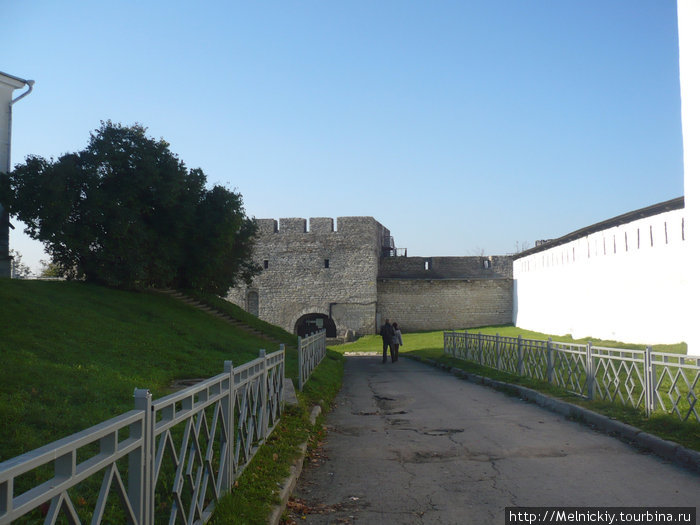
x: 387, y: 333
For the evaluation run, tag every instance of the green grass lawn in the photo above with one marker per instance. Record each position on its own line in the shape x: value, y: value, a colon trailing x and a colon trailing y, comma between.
x: 72, y: 354
x: 430, y: 345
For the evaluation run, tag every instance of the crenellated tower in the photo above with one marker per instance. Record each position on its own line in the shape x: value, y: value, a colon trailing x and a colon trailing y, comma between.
x: 316, y: 275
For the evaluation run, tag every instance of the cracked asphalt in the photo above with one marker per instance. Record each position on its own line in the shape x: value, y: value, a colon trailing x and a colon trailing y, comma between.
x: 410, y: 444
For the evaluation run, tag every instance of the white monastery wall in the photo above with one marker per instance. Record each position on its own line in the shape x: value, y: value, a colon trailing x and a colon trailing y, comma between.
x: 626, y: 283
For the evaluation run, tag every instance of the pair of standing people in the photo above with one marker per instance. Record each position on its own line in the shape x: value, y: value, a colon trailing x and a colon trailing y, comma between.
x: 391, y: 338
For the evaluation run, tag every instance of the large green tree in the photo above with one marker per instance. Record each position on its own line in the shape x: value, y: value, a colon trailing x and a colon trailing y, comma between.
x: 127, y: 212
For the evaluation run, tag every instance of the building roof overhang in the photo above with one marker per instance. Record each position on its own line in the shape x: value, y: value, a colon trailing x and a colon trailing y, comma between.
x: 12, y: 81
x: 655, y: 209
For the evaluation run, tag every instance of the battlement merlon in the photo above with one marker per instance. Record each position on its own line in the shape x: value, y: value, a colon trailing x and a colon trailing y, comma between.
x: 321, y: 224
x: 266, y: 226
x: 292, y: 225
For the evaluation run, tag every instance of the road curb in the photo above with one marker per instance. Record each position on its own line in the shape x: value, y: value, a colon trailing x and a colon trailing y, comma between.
x: 668, y: 450
x: 294, y: 473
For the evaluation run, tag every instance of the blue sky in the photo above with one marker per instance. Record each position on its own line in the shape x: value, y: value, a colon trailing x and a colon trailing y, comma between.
x: 463, y: 127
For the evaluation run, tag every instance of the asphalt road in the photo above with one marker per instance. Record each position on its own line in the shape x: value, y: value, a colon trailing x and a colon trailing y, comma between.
x: 410, y: 444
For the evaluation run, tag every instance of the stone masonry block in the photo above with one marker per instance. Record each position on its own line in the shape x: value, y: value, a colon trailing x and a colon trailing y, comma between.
x: 292, y: 225
x: 321, y: 224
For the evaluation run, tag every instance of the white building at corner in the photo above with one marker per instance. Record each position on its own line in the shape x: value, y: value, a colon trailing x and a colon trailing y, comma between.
x: 8, y: 84
x: 689, y: 62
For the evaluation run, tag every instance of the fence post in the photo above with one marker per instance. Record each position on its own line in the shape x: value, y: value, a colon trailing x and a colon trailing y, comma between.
x: 229, y: 418
x: 283, y: 371
x: 650, y: 378
x: 498, y: 352
x: 283, y: 349
x: 521, y: 360
x: 300, y: 357
x: 479, y: 348
x: 141, y: 490
x: 263, y: 425
x: 550, y: 360
x: 323, y: 345
x: 590, y: 371
x: 317, y: 349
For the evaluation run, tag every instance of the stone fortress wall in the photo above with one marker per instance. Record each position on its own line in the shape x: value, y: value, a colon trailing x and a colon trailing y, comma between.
x: 349, y: 276
x: 434, y: 293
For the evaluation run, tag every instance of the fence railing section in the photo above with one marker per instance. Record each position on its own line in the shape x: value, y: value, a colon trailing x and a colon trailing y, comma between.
x: 312, y: 350
x: 643, y: 379
x: 166, y: 461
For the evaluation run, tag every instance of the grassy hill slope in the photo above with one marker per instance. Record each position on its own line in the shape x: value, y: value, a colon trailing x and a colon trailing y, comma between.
x: 71, y: 355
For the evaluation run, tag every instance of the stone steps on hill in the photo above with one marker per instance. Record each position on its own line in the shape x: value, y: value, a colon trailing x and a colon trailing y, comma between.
x: 196, y: 303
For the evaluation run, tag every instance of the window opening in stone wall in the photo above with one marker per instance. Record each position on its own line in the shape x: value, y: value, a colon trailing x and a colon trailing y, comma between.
x: 326, y: 263
x: 266, y: 264
x: 428, y: 264
x: 487, y: 264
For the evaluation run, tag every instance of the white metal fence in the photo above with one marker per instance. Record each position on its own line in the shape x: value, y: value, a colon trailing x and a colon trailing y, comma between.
x: 312, y: 350
x: 642, y: 379
x: 166, y: 461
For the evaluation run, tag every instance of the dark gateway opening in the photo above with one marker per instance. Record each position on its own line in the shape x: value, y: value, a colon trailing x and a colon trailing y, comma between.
x: 311, y: 323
